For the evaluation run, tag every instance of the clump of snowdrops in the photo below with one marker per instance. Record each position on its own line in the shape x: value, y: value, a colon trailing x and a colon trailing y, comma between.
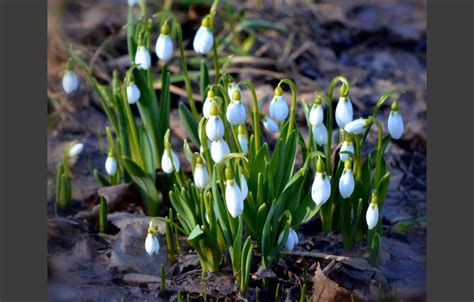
x: 244, y: 192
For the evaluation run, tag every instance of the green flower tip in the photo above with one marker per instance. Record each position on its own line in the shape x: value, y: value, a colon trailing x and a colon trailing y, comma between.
x: 348, y: 165
x: 395, y: 106
x: 68, y: 65
x: 344, y: 91
x: 110, y: 153
x: 242, y: 129
x: 214, y: 110
x: 150, y: 231
x: 167, y: 145
x: 320, y: 165
x: 375, y: 199
x: 199, y: 161
x: 228, y: 174
x: 165, y: 29
x: 278, y: 91
x: 230, y: 79
x: 318, y: 100
x: 210, y: 94
x: 236, y: 95
x: 206, y: 22
x: 348, y: 137
x: 369, y: 122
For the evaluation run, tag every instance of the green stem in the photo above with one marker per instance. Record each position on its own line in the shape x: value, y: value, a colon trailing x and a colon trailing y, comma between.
x: 292, y: 86
x: 378, y: 161
x: 255, y: 113
x: 214, y: 45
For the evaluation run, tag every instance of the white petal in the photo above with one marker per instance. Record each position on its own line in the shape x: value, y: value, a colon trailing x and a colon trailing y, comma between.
x: 321, y: 189
x: 156, y: 244
x: 219, y: 150
x: 346, y: 183
x: 243, y: 144
x: 76, y: 149
x: 142, y: 58
x: 244, y: 187
x: 395, y: 125
x: 133, y: 93
x: 236, y: 113
x: 206, y: 108
x: 70, y: 82
x: 343, y: 112
x: 166, y: 162
x: 164, y: 47
x: 270, y: 125
x: 348, y: 147
x: 278, y: 109
x: 356, y: 126
x: 203, y: 40
x: 201, y: 176
x: 214, y: 128
x: 132, y: 2
x: 111, y: 165
x: 320, y: 134
x: 150, y: 244
x: 295, y: 236
x: 372, y: 216
x: 233, y: 199
x: 316, y: 115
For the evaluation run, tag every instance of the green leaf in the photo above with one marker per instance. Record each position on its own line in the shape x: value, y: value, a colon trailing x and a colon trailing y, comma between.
x: 203, y: 80
x: 164, y: 108
x: 195, y: 233
x: 101, y: 179
x: 189, y: 123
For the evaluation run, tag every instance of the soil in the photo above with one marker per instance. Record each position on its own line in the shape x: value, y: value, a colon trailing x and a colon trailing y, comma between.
x: 377, y: 46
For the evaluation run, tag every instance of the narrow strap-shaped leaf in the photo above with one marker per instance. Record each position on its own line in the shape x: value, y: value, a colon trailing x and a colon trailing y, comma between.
x: 189, y: 123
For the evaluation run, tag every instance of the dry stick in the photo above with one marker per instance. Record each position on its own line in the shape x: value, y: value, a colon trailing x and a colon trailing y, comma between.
x: 318, y: 255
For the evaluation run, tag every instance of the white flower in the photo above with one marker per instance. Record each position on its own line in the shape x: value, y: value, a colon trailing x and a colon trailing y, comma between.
x: 347, y: 146
x: 210, y: 100
x: 236, y: 113
x: 214, y: 128
x: 164, y: 44
x: 203, y: 40
x: 291, y: 241
x: 270, y: 125
x: 395, y: 124
x: 346, y: 183
x: 320, y: 134
x: 166, y: 164
x: 76, y: 149
x: 343, y: 112
x: 133, y: 93
x: 111, y: 165
x: 372, y: 215
x: 316, y: 115
x: 142, y: 58
x: 132, y: 2
x: 243, y: 187
x: 70, y: 81
x: 321, y: 189
x: 201, y: 176
x: 233, y: 198
x: 219, y: 150
x: 243, y: 144
x: 357, y: 126
x: 152, y: 245
x: 278, y: 109
x: 231, y: 88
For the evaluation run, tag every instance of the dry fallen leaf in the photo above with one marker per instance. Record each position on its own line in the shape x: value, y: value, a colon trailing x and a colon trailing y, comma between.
x: 324, y: 289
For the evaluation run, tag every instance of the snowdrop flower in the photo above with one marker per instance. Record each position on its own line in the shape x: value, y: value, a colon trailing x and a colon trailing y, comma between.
x: 346, y: 182
x: 270, y: 125
x: 236, y: 110
x: 244, y: 187
x: 278, y: 109
x: 316, y: 114
x: 164, y: 44
x: 291, y: 241
x: 320, y: 134
x: 203, y: 40
x: 214, y: 125
x: 372, y: 215
x: 233, y: 195
x: 347, y: 146
x: 321, y: 189
x: 70, y: 80
x: 133, y: 93
x: 76, y: 149
x: 111, y: 164
x: 357, y: 126
x: 142, y: 58
x: 243, y: 139
x: 152, y: 245
x: 132, y: 2
x: 343, y: 111
x: 219, y: 150
x: 201, y: 176
x: 210, y: 99
x: 167, y: 164
x: 395, y: 122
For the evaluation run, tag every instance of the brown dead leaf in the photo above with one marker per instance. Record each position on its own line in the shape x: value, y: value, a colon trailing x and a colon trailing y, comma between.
x: 324, y: 289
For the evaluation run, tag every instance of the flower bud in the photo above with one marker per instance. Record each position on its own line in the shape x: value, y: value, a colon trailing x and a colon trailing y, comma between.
x: 321, y: 189
x: 357, y: 126
x: 320, y: 134
x: 70, y: 81
x: 347, y: 146
x: 210, y: 99
x: 152, y: 245
x: 270, y: 125
x: 278, y: 109
x: 76, y: 149
x: 166, y: 163
x: 291, y: 241
x: 316, y: 115
x: 214, y: 126
x: 164, y: 44
x: 133, y: 93
x: 343, y: 112
x: 395, y: 122
x: 111, y: 165
x: 203, y: 40
x: 236, y: 113
x: 142, y: 58
x: 346, y: 182
x: 372, y: 215
x: 219, y: 150
x: 233, y: 196
x: 201, y: 176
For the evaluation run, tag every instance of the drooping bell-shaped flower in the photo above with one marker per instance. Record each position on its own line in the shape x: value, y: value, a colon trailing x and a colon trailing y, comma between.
x: 346, y: 182
x: 243, y: 141
x: 372, y: 215
x: 219, y: 150
x: 169, y: 160
x: 142, y: 57
x: 152, y: 245
x: 70, y: 80
x: 76, y: 149
x: 133, y: 93
x: 203, y: 40
x: 164, y: 44
x: 291, y: 240
x: 201, y: 176
x: 111, y: 164
x: 278, y: 109
x: 233, y: 195
x: 395, y: 122
x: 347, y: 146
x: 320, y: 134
x: 236, y: 113
x: 316, y: 114
x: 344, y: 111
x: 270, y: 125
x: 357, y: 126
x: 210, y: 99
x: 214, y: 125
x: 321, y: 189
